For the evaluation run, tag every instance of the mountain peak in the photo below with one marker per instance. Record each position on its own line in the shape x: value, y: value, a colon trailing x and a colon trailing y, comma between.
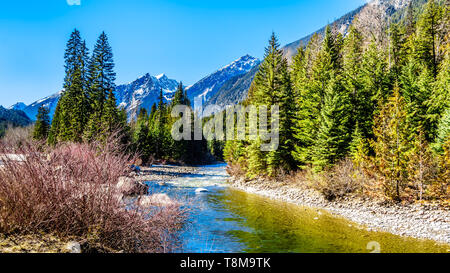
x: 18, y: 106
x: 161, y: 76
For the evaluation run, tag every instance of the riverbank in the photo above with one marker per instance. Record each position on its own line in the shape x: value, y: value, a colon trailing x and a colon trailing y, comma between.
x: 417, y: 221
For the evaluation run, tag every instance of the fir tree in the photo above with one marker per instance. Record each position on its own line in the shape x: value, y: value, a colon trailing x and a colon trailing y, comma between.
x: 101, y: 81
x: 333, y: 135
x: 42, y: 125
x: 391, y: 145
x: 421, y: 163
x: 443, y: 132
x: 427, y: 28
x: 71, y: 112
x: 272, y: 86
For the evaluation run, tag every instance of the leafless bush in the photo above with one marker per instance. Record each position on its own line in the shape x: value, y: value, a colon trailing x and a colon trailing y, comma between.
x: 340, y: 181
x: 70, y: 191
x: 16, y: 136
x: 235, y: 170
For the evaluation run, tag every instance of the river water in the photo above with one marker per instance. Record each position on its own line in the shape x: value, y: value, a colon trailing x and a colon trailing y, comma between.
x: 225, y: 220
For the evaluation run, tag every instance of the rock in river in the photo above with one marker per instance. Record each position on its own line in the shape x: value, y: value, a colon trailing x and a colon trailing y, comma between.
x: 130, y: 187
x: 201, y: 190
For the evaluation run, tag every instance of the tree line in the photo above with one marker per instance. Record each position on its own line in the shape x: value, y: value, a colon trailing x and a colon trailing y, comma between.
x: 384, y: 104
x: 87, y: 109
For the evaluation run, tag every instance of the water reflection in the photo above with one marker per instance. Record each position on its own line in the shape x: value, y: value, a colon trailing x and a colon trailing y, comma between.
x: 227, y: 220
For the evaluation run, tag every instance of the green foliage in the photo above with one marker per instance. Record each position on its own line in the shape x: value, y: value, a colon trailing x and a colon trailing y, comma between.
x: 333, y: 136
x: 42, y: 125
x: 87, y: 108
x: 391, y: 145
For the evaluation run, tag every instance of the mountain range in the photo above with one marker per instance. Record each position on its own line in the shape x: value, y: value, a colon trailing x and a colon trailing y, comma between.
x: 13, y: 117
x: 229, y: 84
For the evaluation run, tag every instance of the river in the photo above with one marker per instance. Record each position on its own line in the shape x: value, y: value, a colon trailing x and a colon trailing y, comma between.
x: 224, y: 220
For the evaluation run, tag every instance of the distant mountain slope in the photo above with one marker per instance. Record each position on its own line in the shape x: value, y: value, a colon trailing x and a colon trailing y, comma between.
x: 12, y: 117
x: 207, y: 87
x: 373, y: 18
x: 18, y: 106
x: 50, y: 102
x: 234, y: 90
x: 343, y: 23
x: 144, y: 92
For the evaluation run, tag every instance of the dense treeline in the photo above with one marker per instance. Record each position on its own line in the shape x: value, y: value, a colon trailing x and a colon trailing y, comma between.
x: 87, y: 110
x: 385, y: 105
x: 152, y: 133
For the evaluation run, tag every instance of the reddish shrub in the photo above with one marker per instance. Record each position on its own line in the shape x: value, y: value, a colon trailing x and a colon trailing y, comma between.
x: 70, y: 191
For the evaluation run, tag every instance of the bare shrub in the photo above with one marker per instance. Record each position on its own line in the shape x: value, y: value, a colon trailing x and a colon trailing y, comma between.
x: 16, y: 136
x: 342, y: 180
x: 70, y: 191
x: 235, y: 170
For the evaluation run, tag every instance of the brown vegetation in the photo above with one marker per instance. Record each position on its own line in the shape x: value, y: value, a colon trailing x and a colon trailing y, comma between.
x: 70, y: 192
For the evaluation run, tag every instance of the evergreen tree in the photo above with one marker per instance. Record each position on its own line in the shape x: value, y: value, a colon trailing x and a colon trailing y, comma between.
x: 42, y: 125
x: 391, y: 145
x: 333, y: 135
x: 374, y: 86
x: 110, y: 122
x: 428, y: 36
x: 439, y: 100
x: 443, y: 132
x: 272, y: 86
x: 421, y: 171
x: 311, y: 84
x: 71, y: 112
x: 359, y: 149
x: 101, y: 86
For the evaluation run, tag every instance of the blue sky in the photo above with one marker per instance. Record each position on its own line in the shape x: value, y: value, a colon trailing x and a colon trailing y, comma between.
x: 185, y: 39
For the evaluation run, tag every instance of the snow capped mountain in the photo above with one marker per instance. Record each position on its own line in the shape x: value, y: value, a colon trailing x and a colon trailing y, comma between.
x: 144, y: 92
x: 18, y: 106
x: 207, y: 87
x: 50, y: 102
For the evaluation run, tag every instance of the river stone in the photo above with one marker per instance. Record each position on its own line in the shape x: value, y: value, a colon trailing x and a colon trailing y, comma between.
x: 73, y: 247
x: 130, y: 187
x: 201, y: 190
x: 158, y: 200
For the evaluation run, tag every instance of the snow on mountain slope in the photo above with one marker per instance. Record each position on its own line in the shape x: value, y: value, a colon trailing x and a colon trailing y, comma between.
x: 18, y: 106
x: 207, y: 87
x: 50, y: 102
x: 144, y: 92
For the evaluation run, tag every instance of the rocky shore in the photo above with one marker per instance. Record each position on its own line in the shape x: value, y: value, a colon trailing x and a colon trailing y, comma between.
x: 418, y: 221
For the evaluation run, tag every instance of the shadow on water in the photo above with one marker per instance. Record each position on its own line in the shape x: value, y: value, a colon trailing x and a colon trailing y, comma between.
x: 227, y: 220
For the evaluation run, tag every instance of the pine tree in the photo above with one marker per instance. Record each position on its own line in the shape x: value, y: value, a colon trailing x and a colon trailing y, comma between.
x: 374, y: 87
x: 101, y: 85
x: 359, y: 149
x: 333, y: 135
x: 391, y: 145
x: 311, y: 83
x: 272, y: 86
x: 110, y: 122
x: 42, y: 125
x: 71, y: 112
x: 141, y: 136
x: 421, y: 165
x: 439, y: 100
x: 428, y: 36
x: 397, y: 50
x: 443, y: 132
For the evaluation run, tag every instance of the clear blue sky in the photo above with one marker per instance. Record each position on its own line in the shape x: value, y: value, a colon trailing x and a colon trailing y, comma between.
x: 185, y: 39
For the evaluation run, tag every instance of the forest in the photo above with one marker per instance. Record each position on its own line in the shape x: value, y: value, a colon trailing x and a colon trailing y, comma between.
x: 376, y: 100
